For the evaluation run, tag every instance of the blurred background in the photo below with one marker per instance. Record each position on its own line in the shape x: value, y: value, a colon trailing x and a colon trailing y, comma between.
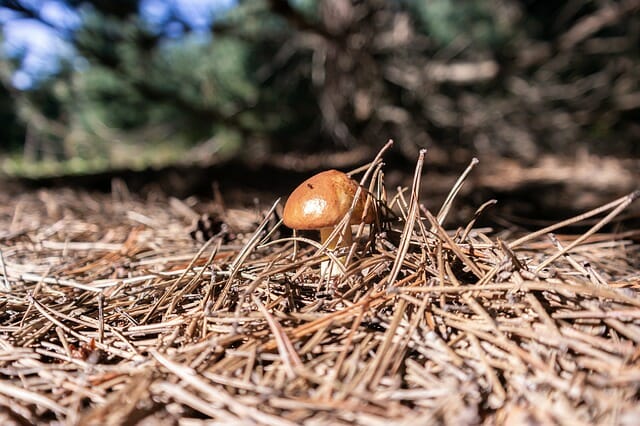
x: 544, y: 93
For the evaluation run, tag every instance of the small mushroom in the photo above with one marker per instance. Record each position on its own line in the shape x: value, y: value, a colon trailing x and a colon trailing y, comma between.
x: 321, y: 202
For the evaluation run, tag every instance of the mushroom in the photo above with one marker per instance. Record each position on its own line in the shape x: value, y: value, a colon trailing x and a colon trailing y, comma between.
x: 322, y: 201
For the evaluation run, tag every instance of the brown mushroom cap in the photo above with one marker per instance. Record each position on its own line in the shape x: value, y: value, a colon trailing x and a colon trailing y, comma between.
x: 322, y: 201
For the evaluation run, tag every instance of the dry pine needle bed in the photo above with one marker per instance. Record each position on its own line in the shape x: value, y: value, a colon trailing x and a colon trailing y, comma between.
x: 111, y: 313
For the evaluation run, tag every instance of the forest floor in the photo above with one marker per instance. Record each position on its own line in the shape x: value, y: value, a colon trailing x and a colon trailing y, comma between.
x: 124, y: 305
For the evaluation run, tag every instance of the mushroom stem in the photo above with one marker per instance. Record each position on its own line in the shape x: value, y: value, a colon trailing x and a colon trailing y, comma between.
x: 347, y: 239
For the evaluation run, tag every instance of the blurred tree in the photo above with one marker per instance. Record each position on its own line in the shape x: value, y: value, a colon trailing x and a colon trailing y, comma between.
x: 509, y: 77
x: 11, y: 131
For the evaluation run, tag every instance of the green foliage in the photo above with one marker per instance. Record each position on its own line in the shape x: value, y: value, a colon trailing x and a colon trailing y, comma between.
x: 474, y: 21
x: 108, y: 99
x: 312, y: 75
x: 214, y: 75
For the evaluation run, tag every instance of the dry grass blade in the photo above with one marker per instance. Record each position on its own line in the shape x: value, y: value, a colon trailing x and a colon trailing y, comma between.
x: 595, y: 228
x: 288, y: 354
x: 214, y: 394
x: 412, y: 215
x: 5, y: 281
x: 563, y: 224
x: 448, y: 202
x: 242, y: 255
x: 453, y: 246
x: 30, y: 397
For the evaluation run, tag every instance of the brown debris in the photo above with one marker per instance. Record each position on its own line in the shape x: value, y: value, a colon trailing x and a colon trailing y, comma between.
x: 110, y: 311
